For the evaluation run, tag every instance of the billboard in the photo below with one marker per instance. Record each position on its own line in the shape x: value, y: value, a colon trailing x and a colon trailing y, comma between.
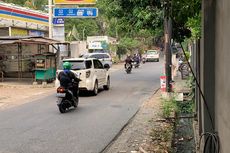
x: 74, y: 1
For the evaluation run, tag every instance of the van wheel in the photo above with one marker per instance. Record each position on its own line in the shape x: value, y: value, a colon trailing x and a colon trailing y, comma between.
x: 107, y: 86
x: 95, y: 89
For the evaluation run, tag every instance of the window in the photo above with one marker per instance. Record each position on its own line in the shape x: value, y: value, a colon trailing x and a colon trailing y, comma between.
x: 88, y: 64
x: 97, y: 64
x: 106, y: 56
x: 152, y: 52
x: 97, y: 56
x: 77, y: 65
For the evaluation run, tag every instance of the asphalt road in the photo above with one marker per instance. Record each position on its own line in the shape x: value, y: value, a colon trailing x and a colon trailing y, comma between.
x: 38, y: 127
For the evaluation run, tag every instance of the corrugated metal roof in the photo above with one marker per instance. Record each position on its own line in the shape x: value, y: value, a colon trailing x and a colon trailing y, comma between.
x: 5, y: 42
x: 28, y: 40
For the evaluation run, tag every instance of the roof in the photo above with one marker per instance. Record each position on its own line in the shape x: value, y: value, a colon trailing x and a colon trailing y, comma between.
x: 28, y: 40
x: 95, y: 53
x: 77, y: 59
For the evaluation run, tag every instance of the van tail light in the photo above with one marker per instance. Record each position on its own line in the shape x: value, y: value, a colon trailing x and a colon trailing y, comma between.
x: 60, y: 90
x: 87, y: 74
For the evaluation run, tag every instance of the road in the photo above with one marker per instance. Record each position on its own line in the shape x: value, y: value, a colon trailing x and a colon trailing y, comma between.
x: 38, y: 127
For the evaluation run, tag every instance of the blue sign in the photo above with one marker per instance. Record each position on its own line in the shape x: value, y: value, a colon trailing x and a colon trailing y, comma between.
x: 58, y: 20
x: 76, y: 12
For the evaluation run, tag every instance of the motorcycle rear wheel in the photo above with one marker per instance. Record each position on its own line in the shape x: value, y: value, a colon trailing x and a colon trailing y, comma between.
x: 61, y: 108
x: 75, y: 103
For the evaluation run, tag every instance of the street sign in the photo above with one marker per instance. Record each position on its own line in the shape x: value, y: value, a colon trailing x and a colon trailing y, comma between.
x: 76, y: 12
x: 58, y: 21
x: 74, y: 1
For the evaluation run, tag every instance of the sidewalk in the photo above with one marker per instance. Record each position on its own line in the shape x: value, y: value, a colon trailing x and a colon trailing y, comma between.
x: 135, y: 137
x: 18, y: 93
x: 143, y: 133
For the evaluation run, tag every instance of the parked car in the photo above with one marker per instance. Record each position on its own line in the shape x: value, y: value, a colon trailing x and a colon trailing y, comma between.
x: 105, y: 58
x: 92, y: 73
x: 152, y: 55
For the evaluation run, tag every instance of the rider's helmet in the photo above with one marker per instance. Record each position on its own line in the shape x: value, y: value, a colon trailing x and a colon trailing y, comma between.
x: 67, y: 66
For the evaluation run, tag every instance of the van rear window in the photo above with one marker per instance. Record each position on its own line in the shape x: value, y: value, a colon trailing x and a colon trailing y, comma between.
x: 152, y: 52
x: 80, y: 65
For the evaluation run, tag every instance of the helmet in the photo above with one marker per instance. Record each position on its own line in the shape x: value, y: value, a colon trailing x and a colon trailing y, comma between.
x: 67, y: 66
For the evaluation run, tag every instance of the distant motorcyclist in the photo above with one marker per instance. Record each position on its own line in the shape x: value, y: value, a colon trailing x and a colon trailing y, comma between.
x: 136, y: 58
x: 128, y: 60
x: 67, y: 79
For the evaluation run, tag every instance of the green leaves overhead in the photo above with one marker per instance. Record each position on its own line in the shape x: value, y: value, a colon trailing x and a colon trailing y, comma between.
x: 182, y: 13
x: 134, y: 18
x: 34, y: 4
x: 84, y: 27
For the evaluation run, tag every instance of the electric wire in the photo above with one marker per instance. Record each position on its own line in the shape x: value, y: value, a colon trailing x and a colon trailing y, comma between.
x: 212, y: 142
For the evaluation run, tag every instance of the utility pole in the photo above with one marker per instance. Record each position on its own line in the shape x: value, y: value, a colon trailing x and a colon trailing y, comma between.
x: 83, y: 34
x: 50, y: 5
x: 167, y: 48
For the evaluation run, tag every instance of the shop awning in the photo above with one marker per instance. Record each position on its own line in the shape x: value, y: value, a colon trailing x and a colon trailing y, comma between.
x: 28, y: 40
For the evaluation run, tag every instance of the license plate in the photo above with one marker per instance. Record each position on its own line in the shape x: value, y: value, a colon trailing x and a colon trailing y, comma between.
x: 61, y: 95
x: 59, y: 101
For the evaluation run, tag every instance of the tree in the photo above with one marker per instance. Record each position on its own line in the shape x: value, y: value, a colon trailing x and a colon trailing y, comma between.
x: 136, y: 15
x: 133, y: 18
x: 34, y: 4
x: 128, y: 45
x: 182, y: 11
x: 85, y: 27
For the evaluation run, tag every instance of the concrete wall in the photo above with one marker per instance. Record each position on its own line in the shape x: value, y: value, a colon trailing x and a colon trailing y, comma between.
x: 222, y: 73
x: 208, y: 64
x: 78, y: 48
x: 215, y: 69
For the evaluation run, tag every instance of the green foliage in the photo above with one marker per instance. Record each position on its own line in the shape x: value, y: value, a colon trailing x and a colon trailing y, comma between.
x: 186, y: 107
x: 142, y: 19
x: 34, y: 4
x: 182, y: 11
x: 194, y: 24
x: 19, y: 2
x: 133, y: 18
x: 169, y: 106
x: 187, y: 54
x: 128, y: 44
x: 84, y: 27
x: 121, y: 50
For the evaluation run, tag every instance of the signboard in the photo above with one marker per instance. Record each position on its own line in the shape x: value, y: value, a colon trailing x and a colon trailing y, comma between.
x: 95, y: 45
x: 76, y: 12
x: 74, y: 1
x: 36, y: 33
x: 58, y: 21
x: 19, y: 32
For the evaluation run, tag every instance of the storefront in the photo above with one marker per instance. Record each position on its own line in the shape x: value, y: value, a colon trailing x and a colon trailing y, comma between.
x: 17, y: 55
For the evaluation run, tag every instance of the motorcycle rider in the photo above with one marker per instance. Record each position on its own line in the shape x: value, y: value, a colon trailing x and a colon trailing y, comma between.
x: 136, y: 59
x: 128, y: 60
x: 66, y: 78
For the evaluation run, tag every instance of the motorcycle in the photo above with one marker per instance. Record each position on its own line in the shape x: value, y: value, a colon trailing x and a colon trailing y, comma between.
x: 128, y: 68
x: 143, y: 60
x: 66, y: 98
x: 136, y: 64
